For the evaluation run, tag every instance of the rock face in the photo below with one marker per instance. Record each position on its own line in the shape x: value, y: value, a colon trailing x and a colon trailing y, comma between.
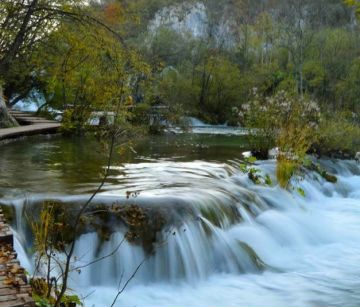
x: 193, y: 18
x: 6, y: 120
x: 182, y: 18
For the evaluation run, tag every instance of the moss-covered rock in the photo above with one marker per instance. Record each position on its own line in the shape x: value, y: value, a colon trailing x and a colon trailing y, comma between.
x: 323, y: 173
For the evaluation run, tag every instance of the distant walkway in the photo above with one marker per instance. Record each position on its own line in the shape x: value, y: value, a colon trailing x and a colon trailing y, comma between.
x: 30, y: 125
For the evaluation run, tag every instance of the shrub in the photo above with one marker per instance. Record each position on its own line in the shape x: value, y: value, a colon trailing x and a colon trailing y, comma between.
x: 283, y: 120
x: 338, y: 134
x: 286, y: 121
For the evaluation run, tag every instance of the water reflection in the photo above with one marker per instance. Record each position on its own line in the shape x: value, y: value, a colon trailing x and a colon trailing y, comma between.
x: 75, y: 165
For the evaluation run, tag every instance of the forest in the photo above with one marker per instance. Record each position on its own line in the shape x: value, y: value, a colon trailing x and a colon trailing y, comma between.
x: 287, y: 72
x: 200, y: 59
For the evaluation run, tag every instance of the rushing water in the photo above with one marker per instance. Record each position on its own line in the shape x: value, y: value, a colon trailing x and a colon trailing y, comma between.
x: 230, y: 243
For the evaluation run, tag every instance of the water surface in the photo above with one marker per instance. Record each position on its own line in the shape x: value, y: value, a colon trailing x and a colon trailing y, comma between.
x: 231, y: 243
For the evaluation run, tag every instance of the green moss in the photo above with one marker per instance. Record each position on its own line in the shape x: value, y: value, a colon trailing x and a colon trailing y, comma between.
x: 329, y: 177
x: 323, y: 173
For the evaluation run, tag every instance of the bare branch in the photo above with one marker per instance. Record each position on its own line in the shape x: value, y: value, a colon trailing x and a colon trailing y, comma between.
x: 101, y: 258
x: 127, y: 282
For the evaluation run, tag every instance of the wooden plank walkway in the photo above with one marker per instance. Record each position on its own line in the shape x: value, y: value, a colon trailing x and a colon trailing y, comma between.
x: 14, y: 288
x: 31, y: 125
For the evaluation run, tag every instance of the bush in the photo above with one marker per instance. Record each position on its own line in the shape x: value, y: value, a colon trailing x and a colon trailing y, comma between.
x: 283, y: 120
x: 286, y: 121
x: 338, y: 134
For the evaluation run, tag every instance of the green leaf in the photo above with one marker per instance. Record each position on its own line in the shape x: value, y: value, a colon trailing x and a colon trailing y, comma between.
x: 72, y: 299
x: 301, y: 192
x: 252, y: 159
x: 268, y: 180
x: 243, y: 168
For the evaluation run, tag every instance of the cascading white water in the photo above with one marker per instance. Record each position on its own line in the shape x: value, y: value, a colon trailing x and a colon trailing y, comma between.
x: 199, y: 127
x: 309, y: 245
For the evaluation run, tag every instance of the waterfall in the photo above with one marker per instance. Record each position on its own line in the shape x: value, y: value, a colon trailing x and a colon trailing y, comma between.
x: 199, y: 127
x: 227, y: 233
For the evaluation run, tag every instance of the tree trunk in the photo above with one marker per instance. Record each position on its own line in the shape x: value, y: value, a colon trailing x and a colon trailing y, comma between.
x: 6, y: 120
x: 5, y: 61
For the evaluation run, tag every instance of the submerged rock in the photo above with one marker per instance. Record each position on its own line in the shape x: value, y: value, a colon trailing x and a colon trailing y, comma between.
x: 323, y: 173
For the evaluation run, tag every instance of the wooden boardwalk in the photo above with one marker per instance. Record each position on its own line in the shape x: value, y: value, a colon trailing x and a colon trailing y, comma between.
x: 30, y: 125
x: 14, y: 288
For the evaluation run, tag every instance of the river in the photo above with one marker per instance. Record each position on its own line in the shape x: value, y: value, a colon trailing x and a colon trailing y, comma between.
x: 231, y: 243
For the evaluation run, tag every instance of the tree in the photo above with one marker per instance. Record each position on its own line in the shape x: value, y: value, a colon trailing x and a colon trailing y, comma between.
x: 296, y: 35
x: 103, y: 79
x: 24, y: 25
x: 84, y: 69
x: 225, y: 90
x: 315, y: 78
x: 265, y: 33
x: 167, y: 47
x: 243, y: 13
x: 353, y: 3
x: 6, y: 121
x: 348, y: 90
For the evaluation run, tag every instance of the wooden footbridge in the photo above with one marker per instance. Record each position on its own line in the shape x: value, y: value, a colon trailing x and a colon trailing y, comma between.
x: 14, y: 288
x: 29, y: 125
